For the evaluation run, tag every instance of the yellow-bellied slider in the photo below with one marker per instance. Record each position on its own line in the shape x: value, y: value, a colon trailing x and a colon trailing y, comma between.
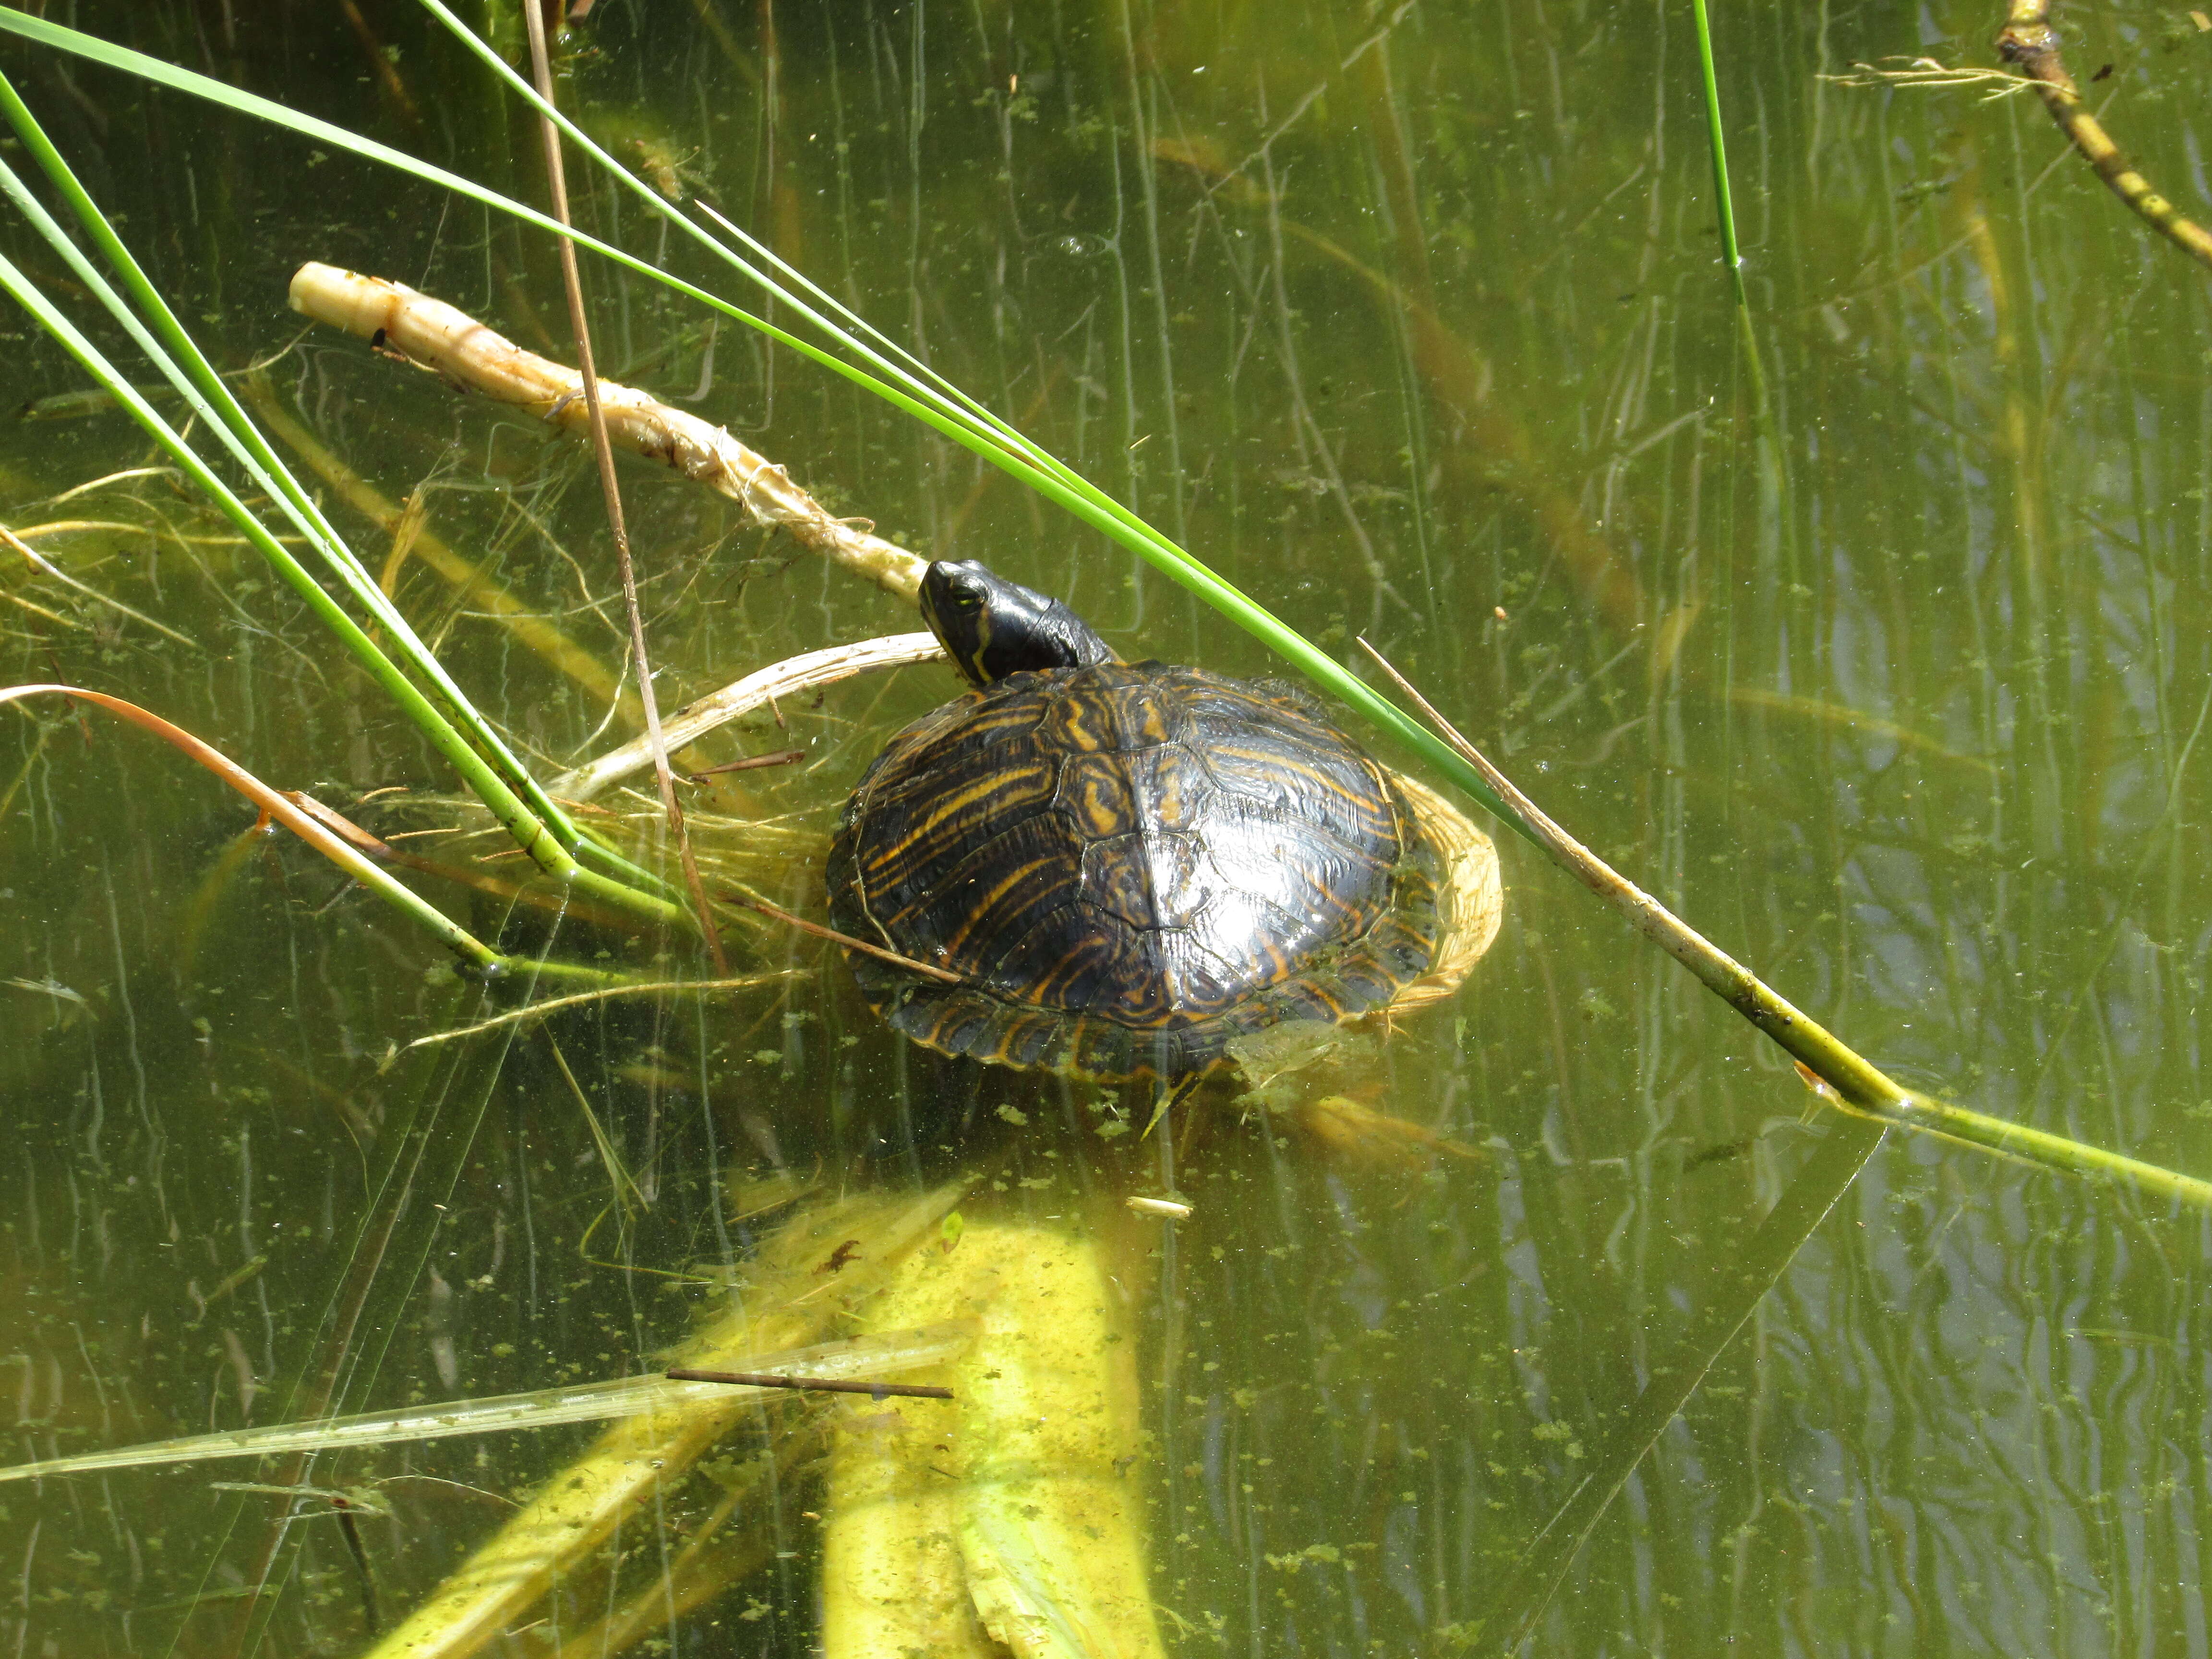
x: 1127, y: 865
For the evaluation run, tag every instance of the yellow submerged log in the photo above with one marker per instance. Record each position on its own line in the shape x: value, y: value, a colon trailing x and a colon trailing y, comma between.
x: 580, y: 1507
x: 1009, y: 1522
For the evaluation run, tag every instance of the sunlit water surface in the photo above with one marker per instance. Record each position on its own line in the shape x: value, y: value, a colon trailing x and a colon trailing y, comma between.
x: 1882, y: 663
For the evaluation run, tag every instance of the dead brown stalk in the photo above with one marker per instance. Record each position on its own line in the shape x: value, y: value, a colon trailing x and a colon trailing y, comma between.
x: 603, y: 452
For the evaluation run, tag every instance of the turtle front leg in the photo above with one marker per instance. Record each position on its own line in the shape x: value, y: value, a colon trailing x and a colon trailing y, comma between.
x: 1362, y: 1138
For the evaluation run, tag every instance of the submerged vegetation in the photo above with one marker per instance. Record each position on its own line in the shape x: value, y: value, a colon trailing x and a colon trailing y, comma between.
x: 1808, y: 593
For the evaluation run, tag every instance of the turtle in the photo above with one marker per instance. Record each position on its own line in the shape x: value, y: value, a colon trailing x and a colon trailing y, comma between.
x: 1124, y: 866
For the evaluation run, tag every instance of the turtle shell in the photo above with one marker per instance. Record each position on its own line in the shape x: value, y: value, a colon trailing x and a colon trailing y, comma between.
x: 1129, y: 865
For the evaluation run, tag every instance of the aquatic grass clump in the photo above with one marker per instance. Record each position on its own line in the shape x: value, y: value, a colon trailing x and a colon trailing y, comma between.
x: 925, y: 395
x: 492, y: 770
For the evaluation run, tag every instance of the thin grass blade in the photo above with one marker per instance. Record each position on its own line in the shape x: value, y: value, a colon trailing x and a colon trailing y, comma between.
x: 1723, y: 202
x: 861, y: 1359
x: 1811, y: 1192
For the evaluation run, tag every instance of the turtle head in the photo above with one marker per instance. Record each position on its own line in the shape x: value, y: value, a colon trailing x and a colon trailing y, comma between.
x: 992, y: 628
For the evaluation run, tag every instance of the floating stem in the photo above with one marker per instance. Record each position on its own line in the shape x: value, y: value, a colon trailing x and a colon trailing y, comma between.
x: 2030, y: 43
x: 851, y: 1365
x: 1850, y: 1082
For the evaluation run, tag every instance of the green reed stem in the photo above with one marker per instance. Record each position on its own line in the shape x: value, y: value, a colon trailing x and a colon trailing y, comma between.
x: 519, y: 822
x: 1724, y: 202
x: 205, y: 392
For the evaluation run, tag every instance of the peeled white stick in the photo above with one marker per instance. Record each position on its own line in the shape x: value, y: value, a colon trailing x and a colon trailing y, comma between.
x: 783, y: 679
x: 471, y: 356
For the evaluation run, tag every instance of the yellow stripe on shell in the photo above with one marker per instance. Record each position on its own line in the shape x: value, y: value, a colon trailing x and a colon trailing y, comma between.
x: 982, y: 789
x: 980, y: 910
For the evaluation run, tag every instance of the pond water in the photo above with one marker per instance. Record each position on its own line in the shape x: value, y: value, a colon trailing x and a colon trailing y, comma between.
x: 1863, y: 635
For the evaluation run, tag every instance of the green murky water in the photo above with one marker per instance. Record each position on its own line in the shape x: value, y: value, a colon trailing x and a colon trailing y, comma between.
x: 1409, y: 321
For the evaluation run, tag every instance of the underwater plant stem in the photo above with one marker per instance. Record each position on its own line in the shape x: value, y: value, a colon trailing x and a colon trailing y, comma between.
x: 499, y: 887
x: 2030, y: 43
x: 1005, y: 1523
x: 1723, y: 203
x: 1854, y: 1084
x: 556, y: 179
x: 529, y: 628
x: 273, y: 806
x: 611, y: 984
x: 1674, y: 1377
x: 54, y: 573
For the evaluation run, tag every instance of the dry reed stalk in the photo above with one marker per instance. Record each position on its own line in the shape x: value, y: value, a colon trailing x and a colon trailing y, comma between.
x: 473, y: 358
x: 2030, y: 43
